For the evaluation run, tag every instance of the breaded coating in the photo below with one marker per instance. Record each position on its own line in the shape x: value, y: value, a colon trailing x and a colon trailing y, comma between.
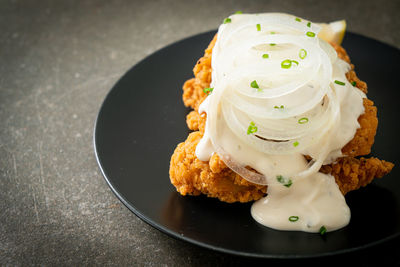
x: 192, y: 176
x: 352, y: 173
x: 351, y: 75
x: 193, y: 93
x: 364, y: 137
x: 196, y: 121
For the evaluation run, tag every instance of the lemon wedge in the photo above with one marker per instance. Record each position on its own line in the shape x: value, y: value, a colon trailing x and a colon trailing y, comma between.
x: 333, y: 32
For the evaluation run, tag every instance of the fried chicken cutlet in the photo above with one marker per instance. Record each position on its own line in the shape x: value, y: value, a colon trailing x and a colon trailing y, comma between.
x: 192, y: 176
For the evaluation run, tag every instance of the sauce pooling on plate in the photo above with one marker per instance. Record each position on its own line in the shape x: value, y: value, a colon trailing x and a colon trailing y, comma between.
x: 278, y: 94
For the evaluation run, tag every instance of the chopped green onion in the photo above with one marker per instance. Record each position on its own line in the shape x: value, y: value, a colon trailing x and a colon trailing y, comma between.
x: 354, y: 83
x: 254, y: 84
x: 280, y: 179
x: 258, y: 27
x: 227, y: 20
x: 293, y: 218
x: 272, y: 44
x: 238, y: 12
x: 252, y: 128
x: 296, y: 143
x: 302, y: 54
x: 309, y: 24
x: 322, y: 230
x: 310, y: 34
x: 208, y: 90
x: 265, y: 56
x: 285, y: 181
x: 273, y: 32
x: 279, y: 107
x: 339, y: 82
x: 303, y: 120
x: 287, y: 63
x: 298, y: 19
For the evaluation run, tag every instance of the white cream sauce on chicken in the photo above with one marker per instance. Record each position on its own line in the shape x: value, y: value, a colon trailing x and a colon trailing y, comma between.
x: 279, y: 93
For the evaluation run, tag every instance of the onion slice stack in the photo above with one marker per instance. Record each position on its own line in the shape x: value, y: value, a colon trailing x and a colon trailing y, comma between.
x: 274, y: 94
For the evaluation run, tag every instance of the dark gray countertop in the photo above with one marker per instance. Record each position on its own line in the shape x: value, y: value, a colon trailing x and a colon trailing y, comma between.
x: 58, y: 61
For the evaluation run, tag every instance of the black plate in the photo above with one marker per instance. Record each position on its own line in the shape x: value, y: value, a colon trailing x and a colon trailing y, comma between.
x: 143, y: 119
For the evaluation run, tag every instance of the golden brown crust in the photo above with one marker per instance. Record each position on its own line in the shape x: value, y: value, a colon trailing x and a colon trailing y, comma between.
x: 193, y: 93
x: 365, y: 136
x: 196, y: 121
x: 352, y: 173
x: 192, y: 176
x: 351, y: 75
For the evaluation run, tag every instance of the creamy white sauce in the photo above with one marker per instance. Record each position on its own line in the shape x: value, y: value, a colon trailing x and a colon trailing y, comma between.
x: 305, y: 90
x: 316, y: 201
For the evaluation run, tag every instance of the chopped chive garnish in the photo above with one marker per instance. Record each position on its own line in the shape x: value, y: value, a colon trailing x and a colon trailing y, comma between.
x: 208, y: 90
x: 265, y: 56
x: 279, y: 107
x: 227, y: 20
x: 310, y: 34
x: 302, y: 54
x: 272, y: 44
x: 339, y: 82
x: 280, y: 179
x: 309, y: 24
x: 239, y: 12
x: 258, y: 27
x: 298, y: 19
x: 296, y: 143
x: 303, y: 120
x: 287, y: 63
x: 252, y: 128
x: 254, y: 84
x: 285, y: 181
x: 354, y: 83
x: 293, y: 218
x: 322, y: 230
x: 273, y: 32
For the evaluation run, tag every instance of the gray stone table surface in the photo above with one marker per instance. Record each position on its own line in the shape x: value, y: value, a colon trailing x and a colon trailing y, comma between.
x: 58, y: 60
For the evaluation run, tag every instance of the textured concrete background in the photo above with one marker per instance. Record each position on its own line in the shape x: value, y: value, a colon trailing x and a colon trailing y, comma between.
x: 58, y: 60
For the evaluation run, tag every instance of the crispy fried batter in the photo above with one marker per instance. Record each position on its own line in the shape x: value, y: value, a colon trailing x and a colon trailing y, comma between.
x: 193, y: 177
x: 364, y: 137
x: 352, y: 173
x: 193, y: 93
x: 351, y: 75
x: 195, y: 121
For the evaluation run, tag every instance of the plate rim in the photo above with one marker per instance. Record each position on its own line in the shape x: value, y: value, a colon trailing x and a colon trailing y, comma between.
x: 181, y: 237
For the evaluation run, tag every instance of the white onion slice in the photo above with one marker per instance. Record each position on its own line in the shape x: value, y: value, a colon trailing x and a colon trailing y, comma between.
x: 288, y: 109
